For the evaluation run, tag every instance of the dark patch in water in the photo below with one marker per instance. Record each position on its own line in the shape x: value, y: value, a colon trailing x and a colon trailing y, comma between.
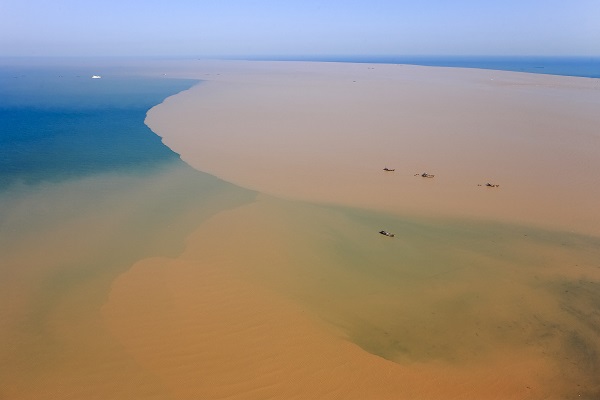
x: 581, y: 299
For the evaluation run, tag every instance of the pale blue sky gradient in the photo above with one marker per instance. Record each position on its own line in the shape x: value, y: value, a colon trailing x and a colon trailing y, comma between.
x: 207, y: 28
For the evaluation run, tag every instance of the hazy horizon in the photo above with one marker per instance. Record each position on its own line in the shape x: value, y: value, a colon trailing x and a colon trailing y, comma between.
x: 240, y: 28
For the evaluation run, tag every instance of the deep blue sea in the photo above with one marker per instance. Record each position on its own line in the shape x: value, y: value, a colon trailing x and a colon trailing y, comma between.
x: 58, y: 123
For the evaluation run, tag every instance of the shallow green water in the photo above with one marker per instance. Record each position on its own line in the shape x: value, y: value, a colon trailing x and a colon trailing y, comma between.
x: 457, y: 292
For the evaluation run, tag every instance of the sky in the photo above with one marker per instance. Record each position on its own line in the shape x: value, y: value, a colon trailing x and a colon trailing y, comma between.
x: 209, y: 28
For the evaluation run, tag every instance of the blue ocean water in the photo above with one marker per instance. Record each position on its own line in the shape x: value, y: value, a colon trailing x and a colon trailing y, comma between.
x: 567, y: 66
x: 58, y: 123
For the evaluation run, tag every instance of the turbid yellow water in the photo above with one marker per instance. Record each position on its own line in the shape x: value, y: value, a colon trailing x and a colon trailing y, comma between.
x: 177, y: 285
x: 268, y: 298
x: 484, y: 292
x: 237, y: 296
x: 62, y: 245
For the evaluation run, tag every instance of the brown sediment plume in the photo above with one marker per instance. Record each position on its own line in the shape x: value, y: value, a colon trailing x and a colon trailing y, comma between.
x: 293, y: 300
x: 307, y: 131
x: 243, y: 312
x: 478, y: 315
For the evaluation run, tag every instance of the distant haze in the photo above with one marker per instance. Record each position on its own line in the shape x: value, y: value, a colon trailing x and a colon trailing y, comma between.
x: 315, y: 27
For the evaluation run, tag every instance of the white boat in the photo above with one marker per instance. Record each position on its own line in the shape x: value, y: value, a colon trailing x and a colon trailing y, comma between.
x: 96, y: 77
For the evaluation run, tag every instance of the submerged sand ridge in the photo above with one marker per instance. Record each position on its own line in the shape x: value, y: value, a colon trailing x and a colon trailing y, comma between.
x: 324, y: 131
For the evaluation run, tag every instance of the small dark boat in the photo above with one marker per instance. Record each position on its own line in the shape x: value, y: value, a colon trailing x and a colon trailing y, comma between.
x: 426, y: 175
x: 491, y: 185
x: 386, y: 233
x: 388, y: 169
